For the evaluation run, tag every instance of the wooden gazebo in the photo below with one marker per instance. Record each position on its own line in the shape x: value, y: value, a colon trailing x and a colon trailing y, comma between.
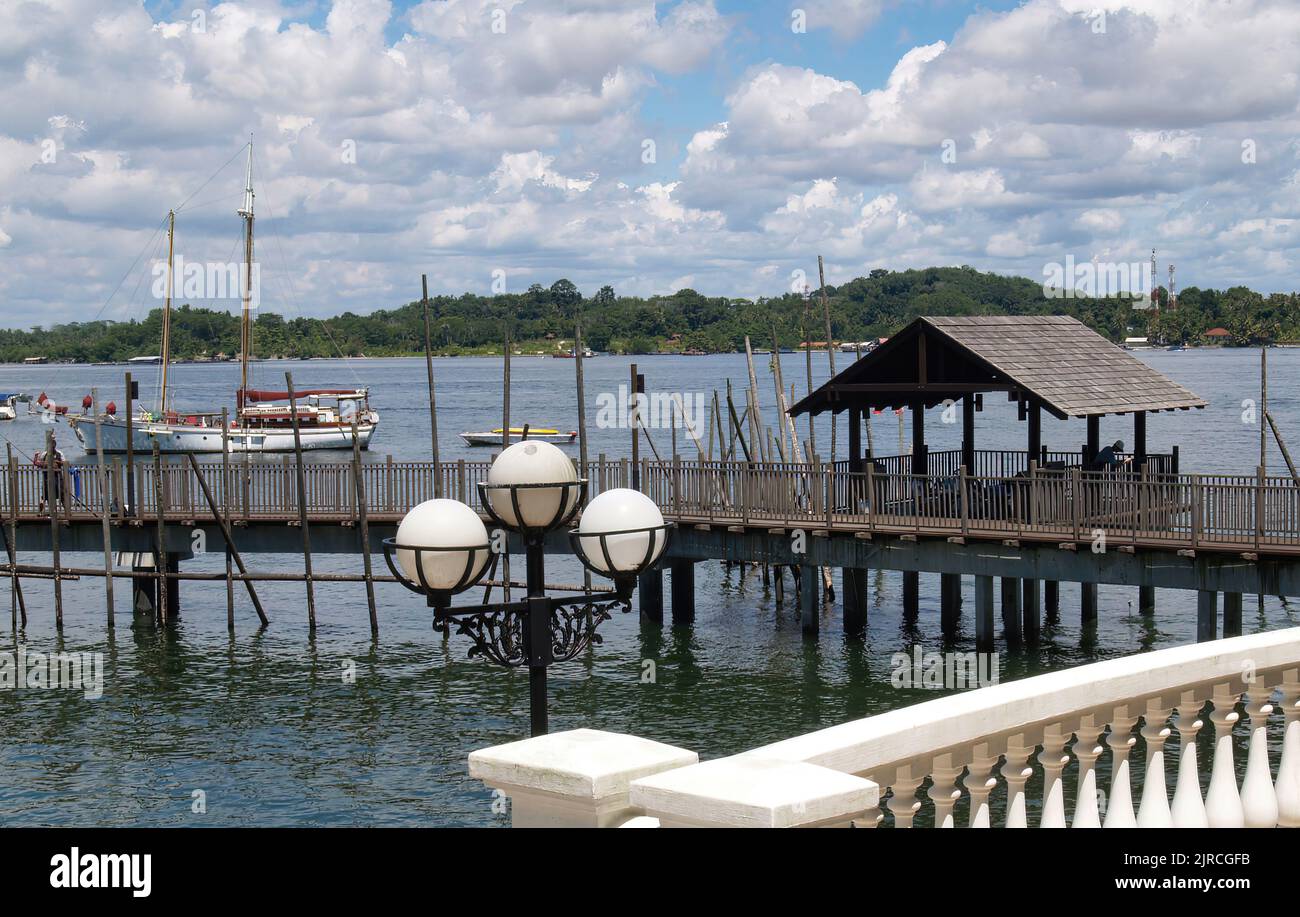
x: 1050, y: 363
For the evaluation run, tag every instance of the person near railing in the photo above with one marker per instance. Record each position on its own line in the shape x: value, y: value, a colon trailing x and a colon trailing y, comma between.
x: 53, y: 465
x: 1108, y: 459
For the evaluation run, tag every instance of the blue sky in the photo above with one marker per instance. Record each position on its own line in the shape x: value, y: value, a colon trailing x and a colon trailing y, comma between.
x: 495, y: 143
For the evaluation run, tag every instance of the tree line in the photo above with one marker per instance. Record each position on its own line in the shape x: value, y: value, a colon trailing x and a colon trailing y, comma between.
x: 543, y: 318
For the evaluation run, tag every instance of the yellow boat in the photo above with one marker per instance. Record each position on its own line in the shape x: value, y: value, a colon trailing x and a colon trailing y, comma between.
x: 493, y: 437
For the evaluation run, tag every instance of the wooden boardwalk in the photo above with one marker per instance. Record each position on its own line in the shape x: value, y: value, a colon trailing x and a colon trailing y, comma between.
x: 1251, y: 515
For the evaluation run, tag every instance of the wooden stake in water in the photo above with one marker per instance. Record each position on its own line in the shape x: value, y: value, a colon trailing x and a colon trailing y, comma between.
x: 807, y: 361
x: 302, y: 501
x: 130, y: 452
x: 18, y: 604
x: 830, y: 344
x: 221, y: 520
x: 50, y: 472
x: 433, y: 401
x: 365, y: 528
x: 1263, y: 407
x: 104, y: 508
x: 160, y: 555
x: 225, y: 505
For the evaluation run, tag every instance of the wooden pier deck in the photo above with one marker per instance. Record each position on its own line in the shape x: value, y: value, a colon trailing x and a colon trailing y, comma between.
x: 1236, y: 514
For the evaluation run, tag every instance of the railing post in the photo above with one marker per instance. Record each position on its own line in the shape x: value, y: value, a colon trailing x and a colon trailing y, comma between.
x: 1198, y: 510
x: 962, y: 483
x: 1076, y: 485
x: 871, y: 496
x: 1259, y: 506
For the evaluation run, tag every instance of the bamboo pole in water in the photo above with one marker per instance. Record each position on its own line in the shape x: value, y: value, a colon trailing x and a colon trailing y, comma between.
x: 365, y: 527
x: 160, y: 555
x: 50, y: 472
x: 756, y: 415
x: 104, y: 507
x: 224, y: 523
x: 225, y: 504
x: 830, y: 344
x: 1281, y: 444
x: 787, y: 454
x: 807, y: 362
x: 18, y: 604
x: 302, y: 501
x: 433, y: 401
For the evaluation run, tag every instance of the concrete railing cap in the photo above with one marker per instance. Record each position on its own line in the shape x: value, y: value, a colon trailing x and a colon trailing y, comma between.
x: 745, y: 791
x: 582, y: 763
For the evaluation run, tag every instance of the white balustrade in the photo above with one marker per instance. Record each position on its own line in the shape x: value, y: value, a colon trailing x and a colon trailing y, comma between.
x: 962, y: 743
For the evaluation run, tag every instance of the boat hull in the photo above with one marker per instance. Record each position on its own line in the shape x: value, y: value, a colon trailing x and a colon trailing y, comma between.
x: 180, y: 438
x: 494, y: 439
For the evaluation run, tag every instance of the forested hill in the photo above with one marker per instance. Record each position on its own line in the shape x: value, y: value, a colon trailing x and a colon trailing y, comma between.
x: 543, y: 319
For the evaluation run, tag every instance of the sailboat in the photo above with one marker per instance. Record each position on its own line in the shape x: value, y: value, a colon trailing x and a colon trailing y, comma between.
x: 262, y: 421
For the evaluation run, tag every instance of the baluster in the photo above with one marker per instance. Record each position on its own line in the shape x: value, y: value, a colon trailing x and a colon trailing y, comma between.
x: 1153, y: 811
x: 943, y: 791
x: 1223, y: 801
x: 1119, y: 810
x: 904, y: 804
x: 1288, y: 771
x: 1087, y: 750
x: 1188, y: 810
x: 979, y: 784
x: 1053, y: 759
x: 1015, y: 773
x: 1258, y: 798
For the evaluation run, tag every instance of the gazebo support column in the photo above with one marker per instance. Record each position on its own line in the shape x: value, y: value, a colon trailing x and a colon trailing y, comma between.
x: 855, y: 601
x: 1146, y: 600
x: 855, y: 439
x: 920, y: 461
x: 1035, y: 418
x: 1051, y: 600
x: 1139, y: 439
x: 1093, y: 445
x: 984, y: 614
x: 968, y: 433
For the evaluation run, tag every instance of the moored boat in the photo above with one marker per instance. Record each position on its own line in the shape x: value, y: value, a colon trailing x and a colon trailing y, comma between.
x: 493, y: 437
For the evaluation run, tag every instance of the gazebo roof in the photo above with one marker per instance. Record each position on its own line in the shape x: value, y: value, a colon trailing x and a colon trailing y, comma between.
x: 1053, y: 359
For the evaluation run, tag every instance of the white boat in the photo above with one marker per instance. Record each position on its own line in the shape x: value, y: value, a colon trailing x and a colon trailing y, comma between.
x: 263, y: 421
x: 493, y: 437
x: 9, y: 406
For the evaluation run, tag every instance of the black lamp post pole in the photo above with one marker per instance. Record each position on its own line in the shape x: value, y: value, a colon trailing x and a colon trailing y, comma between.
x: 538, y: 633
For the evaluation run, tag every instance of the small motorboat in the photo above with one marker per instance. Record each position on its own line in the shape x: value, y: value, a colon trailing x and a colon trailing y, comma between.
x: 493, y: 437
x: 9, y: 405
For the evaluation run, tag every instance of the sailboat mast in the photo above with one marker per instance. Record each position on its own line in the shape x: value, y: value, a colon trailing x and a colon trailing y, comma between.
x: 167, y: 312
x: 245, y: 323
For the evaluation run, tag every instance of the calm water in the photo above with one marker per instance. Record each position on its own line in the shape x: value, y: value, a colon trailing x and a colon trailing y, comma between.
x: 268, y: 728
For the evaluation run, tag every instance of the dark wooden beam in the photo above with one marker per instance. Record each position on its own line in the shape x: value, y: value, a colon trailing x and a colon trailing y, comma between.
x: 1140, y: 438
x: 920, y: 461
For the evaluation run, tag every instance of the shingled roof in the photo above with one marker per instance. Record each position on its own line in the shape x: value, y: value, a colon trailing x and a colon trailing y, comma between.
x: 1054, y: 359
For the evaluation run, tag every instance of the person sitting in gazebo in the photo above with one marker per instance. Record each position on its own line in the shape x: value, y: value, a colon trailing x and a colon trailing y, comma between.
x: 1108, y: 459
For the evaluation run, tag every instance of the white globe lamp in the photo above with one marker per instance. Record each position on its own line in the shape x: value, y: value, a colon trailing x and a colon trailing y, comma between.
x: 459, y: 541
x: 517, y: 488
x: 622, y: 531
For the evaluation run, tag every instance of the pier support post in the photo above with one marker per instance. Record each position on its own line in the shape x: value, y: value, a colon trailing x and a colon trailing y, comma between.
x: 984, y: 614
x: 911, y: 594
x: 810, y: 588
x: 1088, y: 602
x: 949, y: 604
x: 1232, y: 614
x: 173, y: 588
x: 855, y: 601
x: 1207, y: 615
x: 1011, y: 608
x: 144, y: 589
x: 650, y: 593
x: 683, y: 592
x: 1051, y: 600
x: 1031, y: 606
x: 1146, y: 600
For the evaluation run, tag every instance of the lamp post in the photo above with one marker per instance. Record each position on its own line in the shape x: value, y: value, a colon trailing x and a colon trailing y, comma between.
x: 442, y: 548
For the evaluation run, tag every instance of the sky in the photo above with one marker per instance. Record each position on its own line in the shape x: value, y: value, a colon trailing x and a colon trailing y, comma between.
x: 715, y: 145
